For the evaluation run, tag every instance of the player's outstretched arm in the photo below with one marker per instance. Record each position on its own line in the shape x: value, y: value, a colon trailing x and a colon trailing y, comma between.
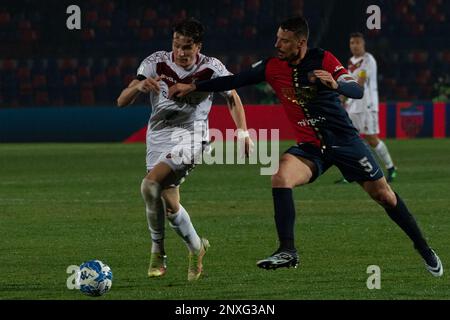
x: 136, y: 87
x: 242, y: 79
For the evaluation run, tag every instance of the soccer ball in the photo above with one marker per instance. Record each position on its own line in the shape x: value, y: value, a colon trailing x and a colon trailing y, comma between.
x: 94, y: 278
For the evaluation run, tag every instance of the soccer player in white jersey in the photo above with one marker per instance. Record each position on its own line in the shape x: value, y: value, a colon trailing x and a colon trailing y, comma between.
x: 364, y: 112
x: 177, y: 135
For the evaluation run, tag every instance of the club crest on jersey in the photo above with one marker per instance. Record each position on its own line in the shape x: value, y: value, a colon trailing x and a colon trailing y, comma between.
x: 300, y: 95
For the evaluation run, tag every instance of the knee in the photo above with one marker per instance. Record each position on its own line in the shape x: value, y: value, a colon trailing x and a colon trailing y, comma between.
x: 150, y: 189
x: 372, y: 141
x: 281, y: 180
x: 172, y: 206
x: 384, y: 197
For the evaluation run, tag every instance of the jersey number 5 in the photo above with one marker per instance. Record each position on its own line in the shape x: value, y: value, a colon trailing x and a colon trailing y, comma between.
x: 364, y: 162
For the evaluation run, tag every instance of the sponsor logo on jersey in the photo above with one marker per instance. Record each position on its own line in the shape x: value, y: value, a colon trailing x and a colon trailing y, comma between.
x: 311, y: 121
x: 170, y: 79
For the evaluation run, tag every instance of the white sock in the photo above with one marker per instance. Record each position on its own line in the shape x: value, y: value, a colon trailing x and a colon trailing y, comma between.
x: 181, y: 223
x: 382, y: 152
x: 155, y: 211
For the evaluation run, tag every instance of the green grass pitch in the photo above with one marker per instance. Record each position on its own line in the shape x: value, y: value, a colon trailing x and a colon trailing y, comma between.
x: 63, y: 204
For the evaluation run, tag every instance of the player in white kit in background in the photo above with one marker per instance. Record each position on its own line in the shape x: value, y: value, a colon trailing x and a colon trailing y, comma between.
x: 364, y: 112
x: 177, y: 135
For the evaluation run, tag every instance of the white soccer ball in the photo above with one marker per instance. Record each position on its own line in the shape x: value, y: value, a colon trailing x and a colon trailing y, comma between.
x: 94, y: 278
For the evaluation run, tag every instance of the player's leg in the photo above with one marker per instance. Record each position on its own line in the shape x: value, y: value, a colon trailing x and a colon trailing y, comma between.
x: 382, y: 152
x: 358, y: 120
x: 380, y: 149
x: 357, y: 163
x: 382, y: 193
x: 371, y: 130
x: 294, y: 170
x: 181, y: 223
x: 179, y: 219
x: 151, y: 189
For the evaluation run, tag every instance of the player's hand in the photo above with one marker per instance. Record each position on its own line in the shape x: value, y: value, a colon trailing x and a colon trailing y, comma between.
x: 326, y: 78
x: 344, y: 100
x: 180, y: 90
x: 249, y: 147
x: 149, y: 84
x: 245, y: 144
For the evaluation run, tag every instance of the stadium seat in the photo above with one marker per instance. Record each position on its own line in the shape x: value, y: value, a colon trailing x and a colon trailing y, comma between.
x: 84, y: 73
x: 87, y: 94
x: 5, y: 18
x: 41, y: 98
x: 134, y: 23
x: 91, y: 17
x: 24, y: 25
x: 29, y: 35
x: 23, y: 73
x: 149, y: 15
x: 25, y: 93
x: 146, y: 34
x: 88, y: 35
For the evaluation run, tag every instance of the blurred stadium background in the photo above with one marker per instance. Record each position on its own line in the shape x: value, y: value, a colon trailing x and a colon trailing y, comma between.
x: 61, y: 204
x: 44, y: 64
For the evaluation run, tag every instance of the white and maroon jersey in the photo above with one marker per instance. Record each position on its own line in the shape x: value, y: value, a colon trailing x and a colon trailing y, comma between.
x: 171, y: 120
x: 364, y: 66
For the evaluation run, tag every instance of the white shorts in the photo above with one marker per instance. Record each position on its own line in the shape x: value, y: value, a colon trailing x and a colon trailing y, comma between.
x: 366, y: 122
x: 182, y: 159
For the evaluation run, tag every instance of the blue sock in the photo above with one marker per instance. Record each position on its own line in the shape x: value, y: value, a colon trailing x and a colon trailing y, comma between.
x: 284, y: 217
x: 403, y: 218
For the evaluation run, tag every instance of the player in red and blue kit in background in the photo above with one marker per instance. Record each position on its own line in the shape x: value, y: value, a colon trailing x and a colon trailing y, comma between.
x: 308, y: 83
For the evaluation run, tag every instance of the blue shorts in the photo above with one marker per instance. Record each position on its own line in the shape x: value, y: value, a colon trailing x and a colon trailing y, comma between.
x: 354, y: 159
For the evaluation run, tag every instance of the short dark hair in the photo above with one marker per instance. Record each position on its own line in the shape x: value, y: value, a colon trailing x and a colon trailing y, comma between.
x: 192, y: 28
x: 298, y: 25
x: 356, y: 35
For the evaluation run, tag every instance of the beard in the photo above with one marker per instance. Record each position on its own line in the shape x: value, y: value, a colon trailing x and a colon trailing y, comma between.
x: 289, y: 58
